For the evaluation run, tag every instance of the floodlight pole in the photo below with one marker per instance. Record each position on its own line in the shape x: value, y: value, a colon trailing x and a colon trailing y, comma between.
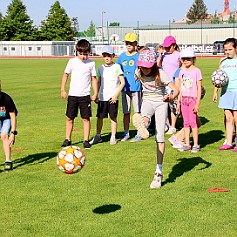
x: 103, y: 12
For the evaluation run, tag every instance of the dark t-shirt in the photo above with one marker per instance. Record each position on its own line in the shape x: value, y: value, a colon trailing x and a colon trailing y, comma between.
x: 6, y: 106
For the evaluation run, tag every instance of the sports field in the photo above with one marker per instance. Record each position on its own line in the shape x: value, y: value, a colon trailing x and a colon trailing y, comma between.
x: 110, y: 196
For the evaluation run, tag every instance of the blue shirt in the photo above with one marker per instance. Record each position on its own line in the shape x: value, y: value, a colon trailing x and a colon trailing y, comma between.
x: 128, y: 65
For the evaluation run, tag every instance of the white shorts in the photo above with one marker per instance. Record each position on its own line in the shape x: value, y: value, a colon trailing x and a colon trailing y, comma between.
x: 135, y: 97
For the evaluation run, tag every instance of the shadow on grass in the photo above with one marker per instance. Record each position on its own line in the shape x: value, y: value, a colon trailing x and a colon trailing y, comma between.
x: 35, y: 158
x: 105, y: 209
x: 185, y: 165
x: 210, y: 137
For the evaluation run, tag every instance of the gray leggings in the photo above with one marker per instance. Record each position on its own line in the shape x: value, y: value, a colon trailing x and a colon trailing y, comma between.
x: 160, y: 109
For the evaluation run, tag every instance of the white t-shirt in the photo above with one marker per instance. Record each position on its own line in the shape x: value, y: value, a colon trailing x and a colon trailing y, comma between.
x: 81, y: 73
x: 109, y: 80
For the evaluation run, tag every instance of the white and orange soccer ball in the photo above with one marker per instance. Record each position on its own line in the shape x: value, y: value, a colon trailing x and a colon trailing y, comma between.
x: 71, y: 159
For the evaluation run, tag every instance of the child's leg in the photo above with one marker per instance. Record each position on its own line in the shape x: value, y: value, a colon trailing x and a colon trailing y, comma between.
x: 87, y: 128
x: 99, y: 125
x: 69, y: 127
x: 160, y: 147
x: 113, y: 126
x: 6, y: 146
x: 229, y: 126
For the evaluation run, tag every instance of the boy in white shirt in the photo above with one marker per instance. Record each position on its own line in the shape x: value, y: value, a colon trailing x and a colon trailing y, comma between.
x: 83, y: 74
x: 110, y: 83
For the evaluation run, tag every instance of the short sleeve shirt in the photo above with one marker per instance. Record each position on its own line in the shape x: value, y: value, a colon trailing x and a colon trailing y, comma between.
x: 6, y: 106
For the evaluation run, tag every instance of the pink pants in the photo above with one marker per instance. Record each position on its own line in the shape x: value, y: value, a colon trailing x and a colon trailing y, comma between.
x: 189, y: 117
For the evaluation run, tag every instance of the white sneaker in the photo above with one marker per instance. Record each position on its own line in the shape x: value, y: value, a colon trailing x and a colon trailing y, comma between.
x: 157, y: 180
x: 113, y: 141
x: 125, y: 137
x: 139, y: 124
x: 171, y: 130
x: 96, y: 139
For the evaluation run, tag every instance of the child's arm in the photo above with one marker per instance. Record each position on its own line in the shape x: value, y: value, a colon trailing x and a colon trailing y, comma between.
x: 63, y: 85
x: 95, y: 88
x: 199, y: 94
x: 175, y: 90
x: 119, y: 89
x: 178, y: 84
x: 13, y: 128
x: 215, y: 92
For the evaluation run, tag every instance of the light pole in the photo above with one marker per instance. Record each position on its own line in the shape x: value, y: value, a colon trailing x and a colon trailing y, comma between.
x: 103, y: 12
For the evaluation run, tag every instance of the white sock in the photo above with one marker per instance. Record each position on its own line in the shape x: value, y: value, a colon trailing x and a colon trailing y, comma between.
x: 159, y: 168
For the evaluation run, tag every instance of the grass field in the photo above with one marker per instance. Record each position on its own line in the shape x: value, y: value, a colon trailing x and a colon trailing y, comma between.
x: 111, y: 195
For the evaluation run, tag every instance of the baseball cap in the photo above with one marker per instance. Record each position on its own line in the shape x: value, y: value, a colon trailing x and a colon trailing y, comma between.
x: 187, y: 53
x: 107, y: 49
x: 131, y: 37
x: 168, y: 41
x: 146, y: 58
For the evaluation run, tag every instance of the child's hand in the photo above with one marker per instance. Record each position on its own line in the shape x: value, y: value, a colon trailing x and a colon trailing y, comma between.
x: 11, y: 139
x: 63, y: 94
x: 113, y: 100
x: 94, y: 98
x: 196, y: 108
x: 214, y: 98
x: 168, y: 98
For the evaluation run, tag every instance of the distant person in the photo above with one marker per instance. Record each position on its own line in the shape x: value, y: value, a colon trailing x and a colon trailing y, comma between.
x: 170, y: 62
x: 228, y: 97
x: 190, y: 81
x: 132, y: 89
x: 155, y: 98
x: 83, y: 74
x: 8, y: 120
x: 110, y: 83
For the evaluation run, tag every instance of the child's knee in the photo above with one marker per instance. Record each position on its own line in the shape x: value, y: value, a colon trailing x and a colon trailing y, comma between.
x: 4, y: 136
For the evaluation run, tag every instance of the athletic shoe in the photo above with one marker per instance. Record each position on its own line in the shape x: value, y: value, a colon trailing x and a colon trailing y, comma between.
x: 113, y: 141
x: 139, y: 124
x: 86, y: 145
x: 8, y: 166
x: 157, y: 180
x: 178, y: 145
x: 66, y: 143
x: 225, y: 147
x: 96, y: 139
x: 184, y: 148
x: 171, y: 130
x: 137, y: 138
x: 235, y: 149
x: 125, y: 137
x: 172, y: 139
x: 195, y: 149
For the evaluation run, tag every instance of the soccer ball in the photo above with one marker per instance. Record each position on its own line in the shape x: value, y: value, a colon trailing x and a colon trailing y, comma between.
x: 219, y: 78
x: 71, y: 159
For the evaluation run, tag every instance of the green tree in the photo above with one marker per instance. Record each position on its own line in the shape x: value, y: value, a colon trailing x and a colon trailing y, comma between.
x: 57, y: 26
x: 114, y: 24
x: 17, y: 25
x: 90, y: 32
x: 215, y: 19
x: 197, y: 11
x: 231, y: 19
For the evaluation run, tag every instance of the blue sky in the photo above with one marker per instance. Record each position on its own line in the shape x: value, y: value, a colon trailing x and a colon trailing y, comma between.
x: 127, y: 13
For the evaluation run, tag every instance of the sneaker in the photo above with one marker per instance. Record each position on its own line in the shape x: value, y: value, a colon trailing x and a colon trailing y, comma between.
x: 178, y: 145
x: 113, y: 141
x: 96, y: 139
x: 86, y: 145
x: 235, y: 149
x: 172, y: 139
x: 171, y: 130
x: 125, y: 137
x: 8, y: 166
x: 66, y: 143
x: 157, y: 180
x: 137, y: 138
x: 225, y: 147
x: 195, y: 149
x: 139, y: 124
x: 184, y: 148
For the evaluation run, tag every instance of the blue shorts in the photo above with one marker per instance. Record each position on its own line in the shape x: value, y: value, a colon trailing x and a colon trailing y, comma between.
x: 5, y: 126
x: 228, y: 100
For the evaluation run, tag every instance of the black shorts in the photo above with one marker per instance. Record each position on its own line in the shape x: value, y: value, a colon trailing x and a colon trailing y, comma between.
x: 105, y: 108
x: 82, y: 102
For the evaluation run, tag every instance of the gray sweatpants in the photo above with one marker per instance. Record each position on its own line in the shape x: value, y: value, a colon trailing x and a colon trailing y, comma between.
x: 151, y: 106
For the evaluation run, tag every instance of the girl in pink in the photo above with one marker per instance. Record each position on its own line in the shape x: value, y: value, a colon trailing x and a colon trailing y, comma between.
x: 190, y: 83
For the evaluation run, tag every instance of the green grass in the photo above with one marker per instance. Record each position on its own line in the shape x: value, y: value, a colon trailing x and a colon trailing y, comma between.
x: 111, y: 195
